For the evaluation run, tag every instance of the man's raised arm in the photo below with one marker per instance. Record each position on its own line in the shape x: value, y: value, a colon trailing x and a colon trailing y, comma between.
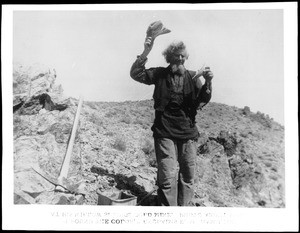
x: 138, y: 71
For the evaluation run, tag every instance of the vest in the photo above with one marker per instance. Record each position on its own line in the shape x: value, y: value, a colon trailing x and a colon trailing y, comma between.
x: 162, y: 92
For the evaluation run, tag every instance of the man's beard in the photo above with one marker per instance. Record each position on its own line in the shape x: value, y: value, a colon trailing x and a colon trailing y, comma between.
x: 178, y: 69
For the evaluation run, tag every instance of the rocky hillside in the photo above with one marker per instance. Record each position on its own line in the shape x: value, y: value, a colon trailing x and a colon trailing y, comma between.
x: 240, y: 156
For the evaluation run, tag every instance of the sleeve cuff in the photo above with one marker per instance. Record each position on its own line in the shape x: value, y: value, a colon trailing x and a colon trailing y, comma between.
x: 142, y: 60
x: 207, y: 85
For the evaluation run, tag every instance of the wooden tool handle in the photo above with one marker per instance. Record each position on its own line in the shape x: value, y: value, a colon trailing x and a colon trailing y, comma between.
x: 66, y: 163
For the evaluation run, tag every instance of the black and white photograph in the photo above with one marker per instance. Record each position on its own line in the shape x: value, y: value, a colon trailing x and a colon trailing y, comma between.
x: 150, y: 117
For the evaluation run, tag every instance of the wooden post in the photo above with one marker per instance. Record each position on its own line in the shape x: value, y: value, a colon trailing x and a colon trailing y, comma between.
x: 66, y: 163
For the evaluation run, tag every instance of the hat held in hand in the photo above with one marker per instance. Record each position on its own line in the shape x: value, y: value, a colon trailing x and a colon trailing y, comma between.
x: 156, y: 29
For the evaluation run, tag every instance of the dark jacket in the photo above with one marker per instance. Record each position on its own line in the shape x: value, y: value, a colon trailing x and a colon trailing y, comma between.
x: 195, y: 95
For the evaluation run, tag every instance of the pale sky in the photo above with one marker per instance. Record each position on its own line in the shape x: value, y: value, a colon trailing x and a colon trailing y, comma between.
x: 92, y: 51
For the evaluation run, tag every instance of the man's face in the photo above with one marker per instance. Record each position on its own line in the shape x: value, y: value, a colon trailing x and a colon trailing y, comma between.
x: 178, y: 57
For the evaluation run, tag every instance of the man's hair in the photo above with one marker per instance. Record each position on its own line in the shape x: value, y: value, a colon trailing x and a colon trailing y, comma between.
x: 173, y: 48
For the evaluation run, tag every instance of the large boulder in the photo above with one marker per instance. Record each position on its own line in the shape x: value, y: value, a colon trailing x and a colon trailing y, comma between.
x: 33, y: 80
x: 231, y: 175
x: 34, y: 88
x: 37, y: 102
x: 29, y: 153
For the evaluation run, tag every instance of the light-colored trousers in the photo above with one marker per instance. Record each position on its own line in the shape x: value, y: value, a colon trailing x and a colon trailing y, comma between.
x: 175, y: 187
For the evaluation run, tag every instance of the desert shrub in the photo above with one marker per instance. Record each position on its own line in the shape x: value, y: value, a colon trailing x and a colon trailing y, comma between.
x: 139, y: 121
x: 263, y: 119
x: 260, y: 157
x: 126, y: 119
x: 259, y: 117
x: 96, y: 119
x: 119, y: 144
x: 206, y: 126
x: 142, y: 122
x: 244, y: 134
x: 215, y: 198
x: 273, y: 177
x: 135, y: 112
x: 268, y: 164
x: 109, y: 134
x: 274, y: 169
x: 148, y: 146
x: 91, y: 104
x: 111, y: 113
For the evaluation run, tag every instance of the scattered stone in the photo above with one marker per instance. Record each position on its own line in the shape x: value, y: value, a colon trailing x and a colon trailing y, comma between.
x: 42, y: 111
x: 135, y: 164
x: 246, y: 111
x: 261, y: 203
x: 43, y: 130
x: 79, y: 200
x: 63, y: 201
x: 229, y: 142
x: 19, y: 200
x: 32, y: 194
x: 22, y: 198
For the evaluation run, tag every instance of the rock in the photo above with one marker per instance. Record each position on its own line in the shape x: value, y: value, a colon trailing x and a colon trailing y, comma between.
x: 246, y: 111
x: 210, y: 148
x: 147, y: 184
x: 43, y: 130
x: 81, y: 187
x: 41, y: 153
x: 31, y: 107
x: 33, y: 80
x: 43, y: 82
x: 26, y: 153
x: 31, y: 183
x: 135, y: 164
x: 18, y: 101
x: 215, y: 170
x: 42, y: 111
x: 38, y: 102
x: 203, y: 138
x: 32, y: 194
x: 63, y: 201
x: 79, y: 200
x: 23, y: 198
x: 32, y: 86
x: 213, y: 181
x: 243, y: 173
x: 21, y: 80
x: 229, y: 142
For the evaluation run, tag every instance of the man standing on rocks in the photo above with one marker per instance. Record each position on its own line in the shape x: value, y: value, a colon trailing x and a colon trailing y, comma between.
x: 177, y: 95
